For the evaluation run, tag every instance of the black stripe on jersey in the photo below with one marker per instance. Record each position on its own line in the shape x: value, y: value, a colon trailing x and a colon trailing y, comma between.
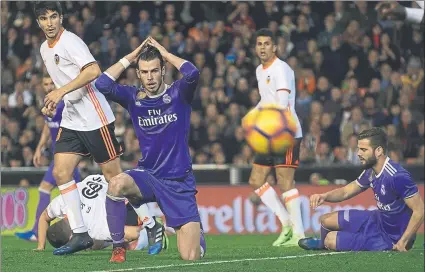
x: 88, y: 64
x: 287, y: 90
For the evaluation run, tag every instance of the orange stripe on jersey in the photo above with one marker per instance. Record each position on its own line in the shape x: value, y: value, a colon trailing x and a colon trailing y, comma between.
x: 69, y: 189
x: 286, y: 90
x: 260, y: 191
x: 105, y: 140
x: 269, y: 63
x: 53, y: 43
x: 109, y: 141
x: 289, y: 198
x: 96, y: 105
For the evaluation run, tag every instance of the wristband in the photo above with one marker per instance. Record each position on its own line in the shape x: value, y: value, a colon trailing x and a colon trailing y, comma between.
x: 124, y: 62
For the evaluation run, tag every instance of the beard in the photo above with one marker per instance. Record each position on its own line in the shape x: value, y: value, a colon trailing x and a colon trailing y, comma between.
x: 369, y: 163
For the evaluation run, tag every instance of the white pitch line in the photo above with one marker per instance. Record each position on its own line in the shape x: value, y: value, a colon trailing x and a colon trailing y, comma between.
x: 220, y: 262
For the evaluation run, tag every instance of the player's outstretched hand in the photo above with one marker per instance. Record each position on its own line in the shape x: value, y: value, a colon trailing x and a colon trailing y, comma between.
x: 38, y: 249
x: 390, y: 10
x: 316, y: 200
x: 45, y: 111
x: 152, y: 42
x: 52, y: 99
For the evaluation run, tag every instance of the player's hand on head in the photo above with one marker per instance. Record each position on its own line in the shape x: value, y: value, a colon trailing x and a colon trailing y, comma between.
x: 152, y: 42
x: 390, y: 10
x: 133, y: 56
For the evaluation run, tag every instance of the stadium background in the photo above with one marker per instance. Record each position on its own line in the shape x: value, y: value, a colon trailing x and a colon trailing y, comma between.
x: 352, y: 70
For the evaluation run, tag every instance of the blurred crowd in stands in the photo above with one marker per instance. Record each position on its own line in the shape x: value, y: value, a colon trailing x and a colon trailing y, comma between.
x: 352, y: 72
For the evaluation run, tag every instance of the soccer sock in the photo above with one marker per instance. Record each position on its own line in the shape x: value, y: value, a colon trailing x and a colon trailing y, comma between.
x: 71, y: 198
x: 293, y: 204
x: 271, y: 200
x: 116, y: 213
x: 144, y: 215
x: 44, y: 200
x: 323, y: 232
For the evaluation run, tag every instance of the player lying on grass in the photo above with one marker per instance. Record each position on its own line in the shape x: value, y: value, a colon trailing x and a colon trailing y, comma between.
x: 400, y: 210
x: 93, y: 195
x: 160, y: 114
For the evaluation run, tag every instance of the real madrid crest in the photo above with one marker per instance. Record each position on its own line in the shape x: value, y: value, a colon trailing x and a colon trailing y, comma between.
x: 268, y: 80
x: 57, y: 59
x: 166, y: 98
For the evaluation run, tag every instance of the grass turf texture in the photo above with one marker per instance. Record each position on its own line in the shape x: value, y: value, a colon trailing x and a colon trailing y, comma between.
x: 224, y: 253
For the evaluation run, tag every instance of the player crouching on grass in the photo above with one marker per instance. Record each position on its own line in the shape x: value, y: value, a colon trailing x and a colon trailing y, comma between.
x: 400, y: 212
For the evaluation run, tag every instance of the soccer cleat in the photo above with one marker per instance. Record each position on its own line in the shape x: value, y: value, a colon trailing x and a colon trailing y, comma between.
x: 310, y: 243
x: 118, y: 255
x: 28, y: 235
x: 78, y: 242
x: 284, y: 236
x: 293, y: 241
x: 156, y: 238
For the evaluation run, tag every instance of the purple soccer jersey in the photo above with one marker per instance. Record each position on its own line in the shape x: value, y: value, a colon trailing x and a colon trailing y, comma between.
x: 161, y: 123
x: 391, y: 187
x: 55, y: 122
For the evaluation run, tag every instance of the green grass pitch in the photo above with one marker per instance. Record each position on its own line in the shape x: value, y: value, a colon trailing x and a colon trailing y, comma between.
x: 224, y: 253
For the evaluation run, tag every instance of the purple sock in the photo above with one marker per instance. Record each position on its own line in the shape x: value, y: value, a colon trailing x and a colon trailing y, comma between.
x: 323, y: 232
x: 44, y: 200
x: 116, y: 213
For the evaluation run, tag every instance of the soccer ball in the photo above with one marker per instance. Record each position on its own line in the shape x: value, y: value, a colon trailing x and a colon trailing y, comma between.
x: 269, y: 129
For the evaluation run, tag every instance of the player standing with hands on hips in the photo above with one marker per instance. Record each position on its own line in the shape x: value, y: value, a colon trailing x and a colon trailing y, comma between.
x: 160, y: 114
x: 87, y: 126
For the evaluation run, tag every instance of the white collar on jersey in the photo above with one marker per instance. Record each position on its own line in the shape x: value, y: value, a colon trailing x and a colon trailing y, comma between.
x: 383, y: 167
x: 158, y: 95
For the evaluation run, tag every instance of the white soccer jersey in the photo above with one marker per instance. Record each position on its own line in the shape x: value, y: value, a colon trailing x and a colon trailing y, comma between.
x: 92, y: 191
x: 278, y: 76
x: 85, y: 108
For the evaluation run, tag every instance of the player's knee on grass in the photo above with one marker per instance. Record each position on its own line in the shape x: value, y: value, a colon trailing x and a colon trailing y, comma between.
x: 188, y: 241
x: 191, y: 254
x: 330, y: 240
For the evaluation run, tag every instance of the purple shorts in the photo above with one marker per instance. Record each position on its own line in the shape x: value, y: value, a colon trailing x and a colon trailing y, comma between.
x: 176, y: 198
x: 359, y: 231
x: 48, y: 176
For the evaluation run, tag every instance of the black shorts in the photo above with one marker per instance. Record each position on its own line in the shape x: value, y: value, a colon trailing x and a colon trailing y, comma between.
x: 101, y: 143
x: 290, y: 159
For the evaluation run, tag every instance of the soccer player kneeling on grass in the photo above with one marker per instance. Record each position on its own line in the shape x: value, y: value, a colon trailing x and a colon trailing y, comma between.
x: 160, y: 114
x: 400, y: 212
